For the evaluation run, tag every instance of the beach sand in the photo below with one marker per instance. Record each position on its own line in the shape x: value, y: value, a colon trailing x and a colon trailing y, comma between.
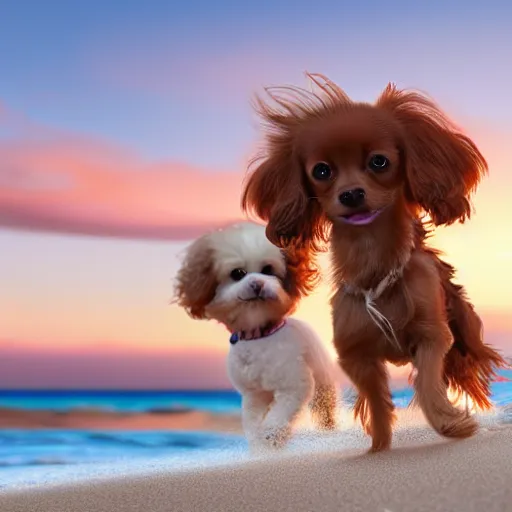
x: 422, y: 472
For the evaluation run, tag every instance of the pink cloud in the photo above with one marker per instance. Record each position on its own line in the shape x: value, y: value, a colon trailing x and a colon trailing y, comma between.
x: 62, y: 182
x: 53, y: 181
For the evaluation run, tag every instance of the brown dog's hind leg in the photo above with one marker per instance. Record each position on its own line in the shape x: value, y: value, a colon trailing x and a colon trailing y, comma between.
x: 431, y: 389
x: 374, y: 405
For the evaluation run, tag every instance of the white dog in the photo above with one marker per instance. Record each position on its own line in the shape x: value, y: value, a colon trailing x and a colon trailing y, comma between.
x: 278, y: 364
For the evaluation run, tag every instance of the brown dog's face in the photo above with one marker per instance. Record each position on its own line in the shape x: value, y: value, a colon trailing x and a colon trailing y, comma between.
x: 331, y: 160
x: 353, y: 163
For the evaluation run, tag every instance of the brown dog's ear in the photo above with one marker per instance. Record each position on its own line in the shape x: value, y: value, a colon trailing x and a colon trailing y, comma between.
x: 443, y: 166
x: 302, y: 274
x: 196, y: 282
x: 277, y: 190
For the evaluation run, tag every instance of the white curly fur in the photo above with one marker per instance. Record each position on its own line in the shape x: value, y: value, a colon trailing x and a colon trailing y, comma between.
x: 277, y: 375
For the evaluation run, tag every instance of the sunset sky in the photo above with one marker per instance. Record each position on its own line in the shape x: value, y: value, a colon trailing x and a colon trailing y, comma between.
x: 125, y: 132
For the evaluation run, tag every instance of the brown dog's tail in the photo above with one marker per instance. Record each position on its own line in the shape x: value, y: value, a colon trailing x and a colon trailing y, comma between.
x: 470, y: 364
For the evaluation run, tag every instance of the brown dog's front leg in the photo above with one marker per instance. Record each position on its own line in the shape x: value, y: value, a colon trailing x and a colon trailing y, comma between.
x: 374, y: 405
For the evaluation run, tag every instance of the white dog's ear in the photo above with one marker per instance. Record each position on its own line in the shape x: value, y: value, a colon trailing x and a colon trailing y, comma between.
x: 196, y: 282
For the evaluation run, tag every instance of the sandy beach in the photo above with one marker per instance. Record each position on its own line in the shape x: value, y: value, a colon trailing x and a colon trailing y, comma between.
x: 316, y: 473
x: 422, y: 473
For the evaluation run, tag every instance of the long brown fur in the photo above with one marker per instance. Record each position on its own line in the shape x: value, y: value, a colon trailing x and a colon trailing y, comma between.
x: 434, y: 169
x: 470, y: 363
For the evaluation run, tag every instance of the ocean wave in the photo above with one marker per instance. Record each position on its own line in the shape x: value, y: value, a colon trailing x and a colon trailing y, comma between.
x: 188, y: 440
x: 37, y: 447
x: 152, y: 402
x: 171, y: 402
x: 27, y: 462
x: 57, y: 447
x: 24, y: 448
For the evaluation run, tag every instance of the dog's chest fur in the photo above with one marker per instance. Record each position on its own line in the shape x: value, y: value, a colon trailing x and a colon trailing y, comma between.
x: 272, y: 362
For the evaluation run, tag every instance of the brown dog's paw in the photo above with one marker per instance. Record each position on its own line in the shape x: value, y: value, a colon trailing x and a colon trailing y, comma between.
x: 380, y: 446
x: 381, y: 442
x: 460, y: 428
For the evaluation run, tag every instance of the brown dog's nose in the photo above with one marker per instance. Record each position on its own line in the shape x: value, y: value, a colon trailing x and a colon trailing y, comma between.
x: 352, y: 198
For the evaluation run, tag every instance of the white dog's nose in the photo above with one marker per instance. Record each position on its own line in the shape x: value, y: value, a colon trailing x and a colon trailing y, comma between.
x: 256, y: 286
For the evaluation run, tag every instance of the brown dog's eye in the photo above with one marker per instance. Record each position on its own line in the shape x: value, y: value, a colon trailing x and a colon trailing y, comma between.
x: 378, y: 163
x: 321, y: 172
x: 267, y: 270
x: 238, y: 274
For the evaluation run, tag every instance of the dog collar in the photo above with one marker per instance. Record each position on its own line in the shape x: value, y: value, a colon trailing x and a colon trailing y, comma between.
x: 390, y: 279
x: 372, y: 294
x: 387, y: 281
x: 259, y: 332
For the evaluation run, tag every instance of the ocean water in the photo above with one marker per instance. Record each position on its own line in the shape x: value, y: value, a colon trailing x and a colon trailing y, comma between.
x: 223, y: 401
x: 33, y: 456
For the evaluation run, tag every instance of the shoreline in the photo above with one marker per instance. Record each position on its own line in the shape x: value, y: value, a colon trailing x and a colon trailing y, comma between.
x: 188, y: 419
x: 96, y: 419
x: 421, y: 473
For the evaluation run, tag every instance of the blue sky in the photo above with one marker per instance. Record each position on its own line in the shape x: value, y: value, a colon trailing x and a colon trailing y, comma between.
x: 133, y: 72
x: 143, y: 110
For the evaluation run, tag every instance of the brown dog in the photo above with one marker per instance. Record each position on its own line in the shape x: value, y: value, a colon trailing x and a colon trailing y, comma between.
x: 361, y: 176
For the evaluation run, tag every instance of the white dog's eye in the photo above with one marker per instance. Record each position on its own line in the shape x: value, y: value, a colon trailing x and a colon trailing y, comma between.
x: 237, y: 274
x: 268, y: 270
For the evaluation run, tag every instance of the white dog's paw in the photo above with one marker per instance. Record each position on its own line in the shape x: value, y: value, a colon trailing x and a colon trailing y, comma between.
x: 257, y: 447
x: 276, y: 437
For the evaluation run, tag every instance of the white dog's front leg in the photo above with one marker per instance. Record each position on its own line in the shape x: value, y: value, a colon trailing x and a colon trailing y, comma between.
x: 278, y: 423
x: 254, y: 408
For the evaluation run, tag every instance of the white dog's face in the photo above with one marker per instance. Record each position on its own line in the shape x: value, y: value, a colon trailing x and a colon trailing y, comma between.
x: 250, y: 272
x: 246, y: 274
